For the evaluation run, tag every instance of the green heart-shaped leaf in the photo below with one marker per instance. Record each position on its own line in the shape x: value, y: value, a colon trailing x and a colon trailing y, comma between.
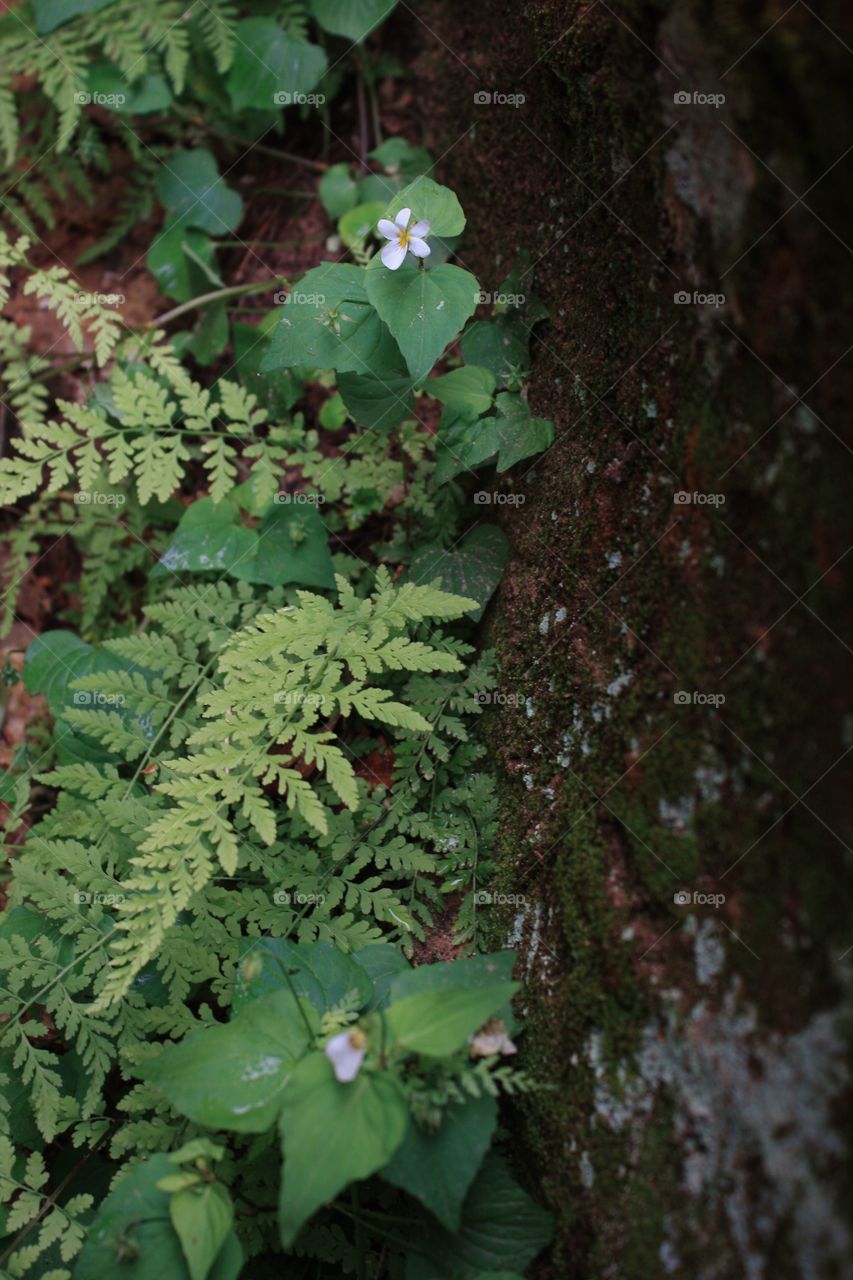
x: 354, y: 19
x: 189, y: 186
x: 271, y: 68
x: 328, y: 322
x: 334, y: 1134
x: 428, y: 199
x: 232, y: 1076
x: 424, y: 310
x: 473, y: 569
x: 438, y: 1168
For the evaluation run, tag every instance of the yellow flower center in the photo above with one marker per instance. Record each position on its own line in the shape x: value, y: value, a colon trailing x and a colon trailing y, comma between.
x: 403, y: 239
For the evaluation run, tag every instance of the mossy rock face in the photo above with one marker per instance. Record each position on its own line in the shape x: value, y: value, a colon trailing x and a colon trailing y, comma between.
x: 681, y: 667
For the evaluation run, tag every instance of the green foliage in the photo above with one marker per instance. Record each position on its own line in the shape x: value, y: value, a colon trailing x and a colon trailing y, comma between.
x: 147, y: 427
x: 341, y: 1099
x: 424, y: 310
x: 354, y: 19
x: 272, y: 67
x: 262, y: 786
x: 475, y: 567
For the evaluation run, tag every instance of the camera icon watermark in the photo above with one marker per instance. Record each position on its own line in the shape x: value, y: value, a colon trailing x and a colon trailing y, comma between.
x: 100, y: 99
x: 100, y: 299
x: 495, y: 698
x: 495, y: 98
x: 501, y: 299
x: 97, y: 498
x: 299, y: 499
x: 283, y: 98
x: 484, y: 498
x: 93, y: 698
x: 295, y: 295
x: 696, y: 298
x: 295, y: 698
x: 695, y: 698
x: 696, y: 898
x: 683, y: 98
x: 293, y: 898
x: 83, y: 899
x: 486, y: 898
x: 685, y: 498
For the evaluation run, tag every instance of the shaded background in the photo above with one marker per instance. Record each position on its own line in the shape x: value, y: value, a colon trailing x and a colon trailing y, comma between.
x: 698, y: 1051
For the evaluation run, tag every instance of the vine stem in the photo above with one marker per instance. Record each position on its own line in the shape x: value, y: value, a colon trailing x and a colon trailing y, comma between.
x: 318, y: 166
x: 206, y: 299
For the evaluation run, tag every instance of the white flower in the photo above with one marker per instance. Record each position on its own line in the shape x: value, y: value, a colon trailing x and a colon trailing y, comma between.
x: 490, y: 1039
x: 346, y: 1054
x: 403, y: 239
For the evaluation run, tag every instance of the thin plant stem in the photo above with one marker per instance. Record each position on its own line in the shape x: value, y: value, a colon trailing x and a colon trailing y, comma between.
x: 318, y: 166
x: 206, y: 299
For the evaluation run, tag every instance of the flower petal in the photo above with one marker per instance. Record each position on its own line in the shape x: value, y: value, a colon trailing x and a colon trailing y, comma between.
x: 393, y: 255
x: 420, y: 229
x: 403, y: 218
x: 419, y: 248
x: 387, y: 228
x: 345, y: 1057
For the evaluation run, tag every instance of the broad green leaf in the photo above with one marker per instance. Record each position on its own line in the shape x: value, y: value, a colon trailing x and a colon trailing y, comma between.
x: 466, y: 974
x: 425, y: 310
x: 174, y: 260
x: 502, y: 1230
x: 357, y: 223
x: 209, y: 539
x: 333, y: 413
x: 137, y: 1214
x: 255, y: 494
x: 22, y: 1125
x: 354, y: 19
x: 438, y: 1168
x: 328, y: 322
x: 397, y: 156
x: 333, y: 1134
x: 143, y: 97
x: 271, y: 68
x: 276, y: 392
x: 318, y: 971
x: 291, y: 545
x: 202, y: 1217
x: 189, y: 186
x: 52, y: 663
x: 378, y: 188
x: 381, y: 962
x: 437, y: 1023
x: 338, y: 190
x: 469, y: 389
x: 500, y: 345
x: 455, y: 442
x: 50, y: 14
x: 474, y: 568
x: 233, y: 1075
x: 428, y: 199
x: 378, y: 402
x: 512, y: 434
x: 210, y: 336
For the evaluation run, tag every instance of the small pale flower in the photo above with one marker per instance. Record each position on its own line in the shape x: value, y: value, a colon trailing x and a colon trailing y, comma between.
x: 403, y: 238
x: 346, y: 1054
x: 491, y: 1039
